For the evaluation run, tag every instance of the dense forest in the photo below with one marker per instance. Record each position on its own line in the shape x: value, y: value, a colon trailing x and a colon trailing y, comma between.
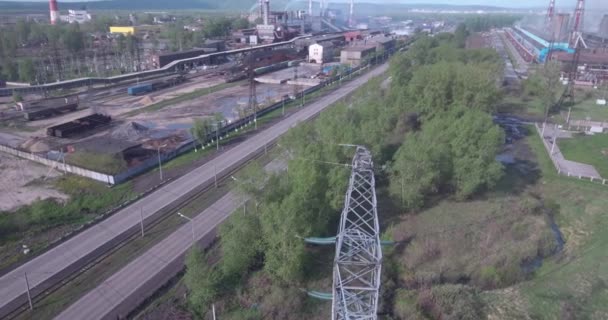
x: 431, y: 132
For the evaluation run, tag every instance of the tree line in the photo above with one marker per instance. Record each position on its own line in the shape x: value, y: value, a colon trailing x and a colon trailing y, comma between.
x: 431, y: 133
x: 36, y: 53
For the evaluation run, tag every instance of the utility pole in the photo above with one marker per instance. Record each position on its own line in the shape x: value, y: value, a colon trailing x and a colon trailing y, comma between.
x: 29, y: 295
x: 554, y: 139
x: 283, y: 107
x: 215, y: 175
x: 217, y: 136
x: 191, y: 221
x: 141, y: 220
x: 160, y: 166
x: 253, y: 101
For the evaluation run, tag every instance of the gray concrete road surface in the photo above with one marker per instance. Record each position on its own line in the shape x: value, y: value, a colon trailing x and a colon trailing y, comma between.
x: 130, y: 286
x: 68, y: 257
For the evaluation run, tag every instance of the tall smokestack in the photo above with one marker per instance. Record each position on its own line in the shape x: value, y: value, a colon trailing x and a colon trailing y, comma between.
x: 310, y: 8
x: 604, y: 26
x: 54, y: 11
x: 261, y: 5
x: 351, y: 14
x: 266, y: 11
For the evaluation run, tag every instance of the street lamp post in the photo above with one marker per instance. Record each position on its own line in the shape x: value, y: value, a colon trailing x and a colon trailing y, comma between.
x: 191, y: 226
x: 245, y: 205
x: 160, y: 166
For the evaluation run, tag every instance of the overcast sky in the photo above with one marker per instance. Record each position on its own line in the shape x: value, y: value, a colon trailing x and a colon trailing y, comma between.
x: 595, y: 4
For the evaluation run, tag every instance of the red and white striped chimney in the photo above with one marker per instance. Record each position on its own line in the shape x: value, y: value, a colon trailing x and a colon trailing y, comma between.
x: 54, y: 11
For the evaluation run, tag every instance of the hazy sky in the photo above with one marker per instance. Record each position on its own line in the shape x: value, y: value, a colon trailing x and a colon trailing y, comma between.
x: 595, y: 4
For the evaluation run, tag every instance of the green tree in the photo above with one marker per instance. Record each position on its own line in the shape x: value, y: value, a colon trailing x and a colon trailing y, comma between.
x: 8, y: 43
x: 202, y: 282
x: 460, y: 35
x: 550, y: 85
x: 27, y: 72
x: 241, y: 242
x: 217, y: 27
x: 22, y: 28
x: 201, y: 128
x: 9, y: 68
x: 240, y: 23
x: 73, y: 39
x: 421, y: 166
x: 475, y: 142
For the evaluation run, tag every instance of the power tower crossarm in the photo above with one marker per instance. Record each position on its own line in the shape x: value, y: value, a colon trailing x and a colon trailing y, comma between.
x: 358, y: 261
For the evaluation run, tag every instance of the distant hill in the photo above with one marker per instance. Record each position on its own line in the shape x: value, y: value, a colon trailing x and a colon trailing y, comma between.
x: 241, y: 5
x: 132, y: 5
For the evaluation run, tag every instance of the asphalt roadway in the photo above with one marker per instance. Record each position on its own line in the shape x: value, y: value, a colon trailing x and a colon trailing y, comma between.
x: 130, y: 286
x: 68, y: 257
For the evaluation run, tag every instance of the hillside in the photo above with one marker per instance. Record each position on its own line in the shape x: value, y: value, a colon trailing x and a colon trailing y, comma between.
x: 241, y: 5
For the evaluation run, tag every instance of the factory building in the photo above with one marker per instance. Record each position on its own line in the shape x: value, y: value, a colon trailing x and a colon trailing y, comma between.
x: 354, y: 56
x: 76, y: 16
x: 533, y: 47
x: 320, y: 52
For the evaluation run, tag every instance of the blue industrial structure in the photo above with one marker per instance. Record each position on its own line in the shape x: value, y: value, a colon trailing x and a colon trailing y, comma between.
x: 540, y: 46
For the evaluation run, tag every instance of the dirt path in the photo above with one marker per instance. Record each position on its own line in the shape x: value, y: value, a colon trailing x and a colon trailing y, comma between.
x: 24, y: 182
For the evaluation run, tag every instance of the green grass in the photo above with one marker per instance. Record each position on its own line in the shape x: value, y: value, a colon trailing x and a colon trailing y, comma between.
x: 36, y: 224
x: 576, y: 278
x: 591, y: 150
x: 101, y: 162
x: 184, y: 97
x: 587, y: 109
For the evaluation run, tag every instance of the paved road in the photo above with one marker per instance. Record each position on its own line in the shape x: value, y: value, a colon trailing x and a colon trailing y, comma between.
x: 566, y: 167
x: 131, y: 285
x: 71, y: 255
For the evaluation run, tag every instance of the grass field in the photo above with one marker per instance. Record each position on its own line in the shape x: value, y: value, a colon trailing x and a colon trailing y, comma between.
x: 588, y: 110
x: 591, y: 150
x: 572, y: 284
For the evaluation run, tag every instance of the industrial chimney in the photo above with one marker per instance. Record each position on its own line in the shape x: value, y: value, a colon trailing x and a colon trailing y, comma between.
x: 54, y: 11
x: 310, y: 8
x: 604, y: 26
x: 261, y: 5
x: 266, y: 11
x: 351, y: 14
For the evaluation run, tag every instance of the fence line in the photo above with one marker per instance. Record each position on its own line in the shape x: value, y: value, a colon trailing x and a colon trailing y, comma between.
x: 105, y: 178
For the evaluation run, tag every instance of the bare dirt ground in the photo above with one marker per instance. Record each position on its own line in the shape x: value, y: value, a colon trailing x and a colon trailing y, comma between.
x: 23, y: 182
x: 228, y: 102
x: 116, y: 105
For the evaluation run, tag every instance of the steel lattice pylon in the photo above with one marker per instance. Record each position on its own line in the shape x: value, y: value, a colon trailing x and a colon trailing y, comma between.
x: 358, y: 261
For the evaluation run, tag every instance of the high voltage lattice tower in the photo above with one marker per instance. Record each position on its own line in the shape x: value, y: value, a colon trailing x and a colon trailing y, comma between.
x: 358, y: 261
